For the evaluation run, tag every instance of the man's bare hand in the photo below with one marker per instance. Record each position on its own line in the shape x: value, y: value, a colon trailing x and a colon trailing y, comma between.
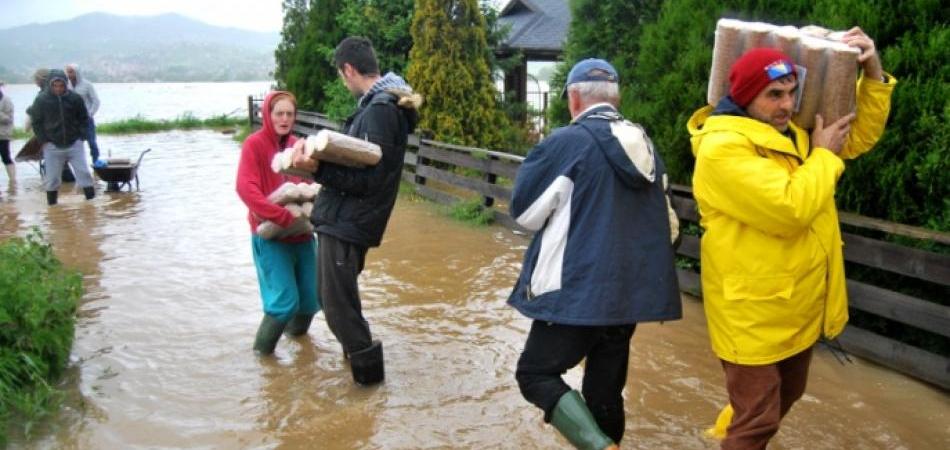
x: 300, y: 160
x: 869, y: 58
x: 833, y: 136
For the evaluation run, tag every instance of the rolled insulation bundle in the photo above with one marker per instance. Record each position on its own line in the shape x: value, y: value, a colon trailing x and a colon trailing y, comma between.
x: 342, y: 149
x: 725, y: 52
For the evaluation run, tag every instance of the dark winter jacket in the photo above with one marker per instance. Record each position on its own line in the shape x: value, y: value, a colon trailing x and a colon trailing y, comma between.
x: 58, y: 119
x: 593, y: 192
x: 354, y: 204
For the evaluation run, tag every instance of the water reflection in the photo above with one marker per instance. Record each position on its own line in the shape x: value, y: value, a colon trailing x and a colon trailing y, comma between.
x: 162, y: 356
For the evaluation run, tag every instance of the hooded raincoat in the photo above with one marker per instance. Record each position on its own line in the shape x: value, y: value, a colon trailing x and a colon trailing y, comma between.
x: 256, y: 180
x: 87, y: 91
x: 772, y: 264
x: 602, y: 255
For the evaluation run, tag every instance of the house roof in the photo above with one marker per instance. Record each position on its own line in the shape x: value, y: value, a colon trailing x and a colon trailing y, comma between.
x: 537, y: 26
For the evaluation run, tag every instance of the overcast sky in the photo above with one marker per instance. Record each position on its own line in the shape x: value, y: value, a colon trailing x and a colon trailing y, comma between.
x: 259, y: 15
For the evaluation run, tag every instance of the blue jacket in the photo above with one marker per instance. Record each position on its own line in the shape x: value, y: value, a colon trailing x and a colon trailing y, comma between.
x: 601, y: 254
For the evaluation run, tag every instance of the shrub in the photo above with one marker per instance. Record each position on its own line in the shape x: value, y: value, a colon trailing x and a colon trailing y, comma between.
x: 37, y: 318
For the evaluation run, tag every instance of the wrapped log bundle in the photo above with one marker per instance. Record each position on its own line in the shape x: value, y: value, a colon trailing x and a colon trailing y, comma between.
x: 341, y: 149
x: 298, y: 199
x: 830, y: 65
x: 283, y: 163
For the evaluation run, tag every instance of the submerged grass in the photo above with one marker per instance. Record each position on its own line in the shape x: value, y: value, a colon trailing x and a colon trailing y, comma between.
x: 37, y: 319
x: 139, y: 124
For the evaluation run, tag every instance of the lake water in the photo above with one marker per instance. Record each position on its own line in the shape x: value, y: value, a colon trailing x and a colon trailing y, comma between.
x: 154, y: 100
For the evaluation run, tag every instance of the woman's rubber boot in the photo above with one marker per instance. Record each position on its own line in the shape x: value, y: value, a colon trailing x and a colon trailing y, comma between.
x: 268, y: 333
x: 11, y: 173
x: 367, y: 364
x: 299, y: 325
x: 574, y: 421
x: 90, y: 192
x: 51, y: 197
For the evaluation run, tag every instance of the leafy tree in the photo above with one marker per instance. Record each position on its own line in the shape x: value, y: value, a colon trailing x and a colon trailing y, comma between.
x: 449, y: 66
x: 607, y: 29
x: 385, y: 23
x: 305, y: 54
x: 295, y: 23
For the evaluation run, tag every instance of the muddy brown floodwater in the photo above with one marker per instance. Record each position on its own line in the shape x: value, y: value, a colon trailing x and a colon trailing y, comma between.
x: 162, y: 357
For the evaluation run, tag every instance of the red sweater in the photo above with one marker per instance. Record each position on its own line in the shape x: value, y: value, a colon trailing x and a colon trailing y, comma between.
x: 256, y: 180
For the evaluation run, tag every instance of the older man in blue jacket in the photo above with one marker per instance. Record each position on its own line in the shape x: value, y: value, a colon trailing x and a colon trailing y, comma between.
x: 601, y: 259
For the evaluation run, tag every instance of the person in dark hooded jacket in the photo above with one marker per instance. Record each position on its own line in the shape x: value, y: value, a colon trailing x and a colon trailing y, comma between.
x: 354, y: 205
x: 60, y: 122
x: 601, y: 259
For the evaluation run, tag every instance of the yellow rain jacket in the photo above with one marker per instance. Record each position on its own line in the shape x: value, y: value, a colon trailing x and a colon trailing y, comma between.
x: 772, y: 265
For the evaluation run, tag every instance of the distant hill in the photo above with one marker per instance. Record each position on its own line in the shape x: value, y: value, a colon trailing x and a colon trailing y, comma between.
x: 110, y: 48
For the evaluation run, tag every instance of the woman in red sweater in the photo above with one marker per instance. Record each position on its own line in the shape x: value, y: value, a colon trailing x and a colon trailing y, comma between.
x: 286, y: 267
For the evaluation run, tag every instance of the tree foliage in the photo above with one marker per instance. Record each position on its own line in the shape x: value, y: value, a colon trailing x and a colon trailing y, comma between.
x: 305, y: 54
x: 904, y: 179
x: 37, y: 318
x: 450, y: 67
x: 607, y: 29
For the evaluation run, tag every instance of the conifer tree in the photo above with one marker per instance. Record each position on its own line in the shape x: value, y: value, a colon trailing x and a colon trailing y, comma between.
x: 449, y: 66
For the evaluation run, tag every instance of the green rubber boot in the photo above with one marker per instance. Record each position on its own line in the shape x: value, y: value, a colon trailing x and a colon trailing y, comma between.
x: 268, y: 333
x: 299, y: 325
x: 575, y: 422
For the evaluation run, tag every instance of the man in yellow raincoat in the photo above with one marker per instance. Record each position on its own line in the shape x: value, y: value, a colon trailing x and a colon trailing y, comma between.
x: 772, y: 264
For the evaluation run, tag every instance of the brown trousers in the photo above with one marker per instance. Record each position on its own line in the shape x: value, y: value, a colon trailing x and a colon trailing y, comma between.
x: 760, y: 397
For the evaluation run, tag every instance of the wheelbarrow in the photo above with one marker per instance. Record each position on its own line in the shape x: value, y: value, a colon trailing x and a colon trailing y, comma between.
x: 119, y: 172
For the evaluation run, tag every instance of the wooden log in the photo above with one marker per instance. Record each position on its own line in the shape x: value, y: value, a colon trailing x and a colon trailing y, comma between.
x: 341, y: 149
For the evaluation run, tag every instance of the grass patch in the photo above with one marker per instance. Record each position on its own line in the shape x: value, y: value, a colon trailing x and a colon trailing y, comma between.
x: 243, y: 131
x: 37, y: 318
x: 139, y: 124
x: 472, y: 212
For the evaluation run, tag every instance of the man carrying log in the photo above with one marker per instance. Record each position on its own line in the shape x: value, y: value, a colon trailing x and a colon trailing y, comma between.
x: 773, y: 271
x: 600, y: 262
x: 351, y: 212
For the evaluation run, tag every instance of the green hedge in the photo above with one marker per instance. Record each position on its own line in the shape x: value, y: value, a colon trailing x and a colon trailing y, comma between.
x: 37, y: 317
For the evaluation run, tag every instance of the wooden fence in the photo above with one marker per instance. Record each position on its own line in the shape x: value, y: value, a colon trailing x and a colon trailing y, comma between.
x: 448, y: 173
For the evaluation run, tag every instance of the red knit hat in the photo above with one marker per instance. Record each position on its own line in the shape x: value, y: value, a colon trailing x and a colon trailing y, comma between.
x: 754, y: 70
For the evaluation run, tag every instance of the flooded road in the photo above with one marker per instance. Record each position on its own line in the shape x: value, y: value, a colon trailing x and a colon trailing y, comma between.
x: 162, y: 356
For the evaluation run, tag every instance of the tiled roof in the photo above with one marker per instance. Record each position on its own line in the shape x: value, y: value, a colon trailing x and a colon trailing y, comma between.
x: 536, y: 24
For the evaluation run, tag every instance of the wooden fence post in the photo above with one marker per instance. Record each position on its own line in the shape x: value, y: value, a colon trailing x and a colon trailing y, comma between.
x: 250, y: 110
x: 490, y: 178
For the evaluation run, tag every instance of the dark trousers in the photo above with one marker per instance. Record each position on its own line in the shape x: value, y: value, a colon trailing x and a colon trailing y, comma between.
x: 760, y: 397
x: 5, y: 152
x: 340, y: 264
x: 552, y: 349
